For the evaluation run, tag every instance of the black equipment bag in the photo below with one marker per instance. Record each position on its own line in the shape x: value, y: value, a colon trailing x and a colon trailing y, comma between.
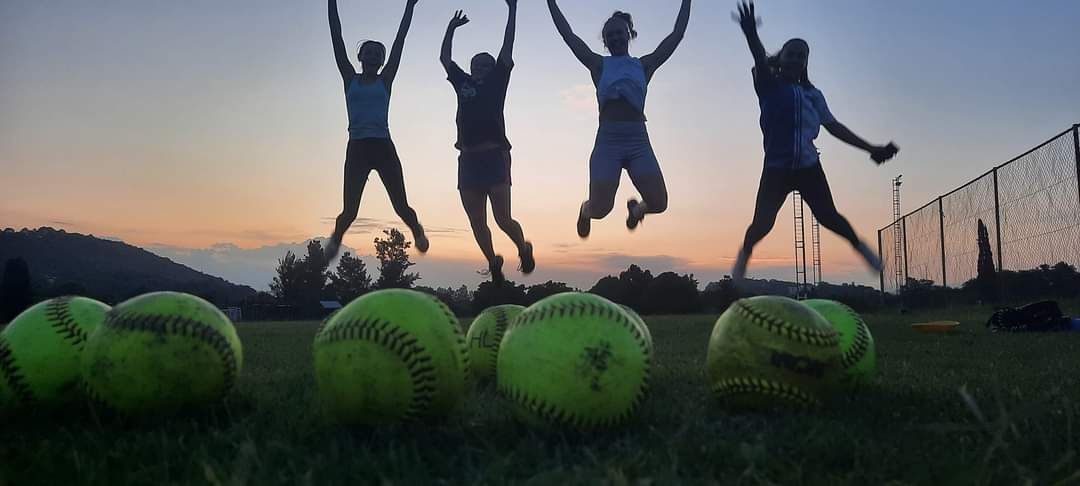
x: 1038, y: 317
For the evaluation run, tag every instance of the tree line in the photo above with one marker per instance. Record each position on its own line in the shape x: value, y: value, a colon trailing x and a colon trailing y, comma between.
x: 302, y: 282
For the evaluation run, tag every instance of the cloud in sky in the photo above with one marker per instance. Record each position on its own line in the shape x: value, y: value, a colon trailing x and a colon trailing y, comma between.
x: 365, y: 226
x: 249, y: 266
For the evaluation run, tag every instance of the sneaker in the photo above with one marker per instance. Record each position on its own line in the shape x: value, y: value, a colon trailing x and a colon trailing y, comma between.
x: 333, y: 246
x: 528, y: 264
x: 584, y: 222
x: 495, y: 270
x: 870, y: 256
x: 632, y: 220
x: 420, y: 239
x: 738, y: 272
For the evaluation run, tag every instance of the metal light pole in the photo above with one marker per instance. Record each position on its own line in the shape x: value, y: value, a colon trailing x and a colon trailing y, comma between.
x: 898, y: 236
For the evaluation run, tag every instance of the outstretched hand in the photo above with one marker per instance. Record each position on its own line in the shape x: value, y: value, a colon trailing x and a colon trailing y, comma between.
x: 745, y: 16
x: 459, y: 19
x: 883, y: 153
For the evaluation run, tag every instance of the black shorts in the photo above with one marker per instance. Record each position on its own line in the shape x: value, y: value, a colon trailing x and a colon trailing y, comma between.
x: 779, y: 182
x: 367, y: 154
x: 481, y: 171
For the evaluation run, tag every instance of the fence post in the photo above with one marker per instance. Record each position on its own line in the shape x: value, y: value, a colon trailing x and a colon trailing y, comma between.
x: 903, y: 234
x: 881, y: 272
x: 1076, y: 150
x: 997, y: 218
x: 941, y: 225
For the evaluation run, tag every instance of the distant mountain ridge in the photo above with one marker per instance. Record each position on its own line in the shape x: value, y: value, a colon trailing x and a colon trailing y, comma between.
x: 108, y: 270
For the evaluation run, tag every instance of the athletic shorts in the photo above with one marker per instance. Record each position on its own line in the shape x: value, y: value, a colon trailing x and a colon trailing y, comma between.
x: 622, y: 145
x: 779, y: 182
x: 371, y: 154
x: 483, y: 170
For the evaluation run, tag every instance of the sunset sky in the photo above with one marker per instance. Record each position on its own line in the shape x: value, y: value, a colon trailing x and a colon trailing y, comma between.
x: 214, y: 132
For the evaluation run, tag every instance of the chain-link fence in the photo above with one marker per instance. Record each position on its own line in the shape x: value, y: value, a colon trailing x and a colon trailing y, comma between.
x: 1030, y: 207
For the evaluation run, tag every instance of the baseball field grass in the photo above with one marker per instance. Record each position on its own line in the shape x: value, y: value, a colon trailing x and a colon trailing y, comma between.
x: 970, y: 407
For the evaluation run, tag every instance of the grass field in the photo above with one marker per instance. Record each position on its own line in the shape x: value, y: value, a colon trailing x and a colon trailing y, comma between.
x: 967, y: 408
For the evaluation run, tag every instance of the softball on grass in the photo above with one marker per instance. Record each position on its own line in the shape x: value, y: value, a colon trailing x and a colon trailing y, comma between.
x: 162, y: 352
x: 390, y: 356
x: 485, y: 334
x: 858, y: 358
x: 40, y: 351
x: 574, y: 360
x: 636, y: 319
x: 772, y: 352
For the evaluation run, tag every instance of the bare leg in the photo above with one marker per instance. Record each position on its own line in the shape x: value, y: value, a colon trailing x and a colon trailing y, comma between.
x: 475, y: 204
x: 394, y: 181
x: 770, y: 198
x: 654, y: 197
x: 500, y: 206
x: 356, y: 174
x: 601, y: 201
x: 815, y: 191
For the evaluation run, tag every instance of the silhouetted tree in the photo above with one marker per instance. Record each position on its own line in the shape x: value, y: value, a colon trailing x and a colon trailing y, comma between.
x: 394, y: 261
x: 635, y: 285
x: 489, y: 293
x: 314, y: 273
x: 1059, y: 280
x: 1064, y: 280
x: 350, y: 280
x: 923, y: 293
x: 537, y: 292
x: 287, y: 286
x: 987, y: 274
x: 720, y: 294
x: 671, y: 293
x: 610, y: 288
x: 16, y: 293
x: 459, y: 300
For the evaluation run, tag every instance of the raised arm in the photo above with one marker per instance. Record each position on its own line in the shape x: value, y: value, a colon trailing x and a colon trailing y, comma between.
x: 590, y: 59
x: 749, y: 22
x: 340, y: 54
x: 506, y: 54
x: 879, y: 153
x: 446, y: 55
x: 390, y: 70
x: 653, y: 61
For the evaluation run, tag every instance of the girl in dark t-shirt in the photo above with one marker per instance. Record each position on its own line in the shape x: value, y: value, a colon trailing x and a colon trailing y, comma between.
x: 484, y: 162
x: 792, y: 112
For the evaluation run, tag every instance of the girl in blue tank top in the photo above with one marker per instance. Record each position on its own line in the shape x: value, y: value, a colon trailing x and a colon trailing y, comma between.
x: 622, y: 142
x: 367, y: 97
x: 792, y: 112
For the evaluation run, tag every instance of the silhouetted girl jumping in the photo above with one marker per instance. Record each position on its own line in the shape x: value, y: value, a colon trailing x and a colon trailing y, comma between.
x: 484, y: 162
x: 367, y: 96
x: 792, y: 112
x: 622, y: 142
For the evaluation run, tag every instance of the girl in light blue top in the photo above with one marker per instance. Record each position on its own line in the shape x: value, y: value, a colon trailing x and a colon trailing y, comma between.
x: 622, y: 142
x: 367, y: 97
